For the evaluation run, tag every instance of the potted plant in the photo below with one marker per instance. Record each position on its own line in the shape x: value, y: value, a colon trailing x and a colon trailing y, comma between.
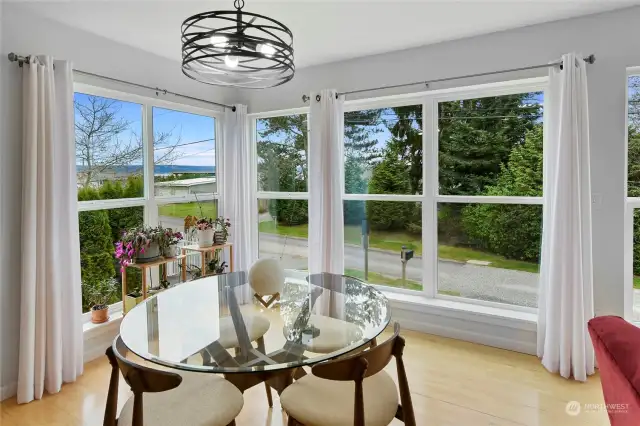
x: 216, y: 266
x: 132, y: 298
x: 205, y: 227
x: 170, y: 242
x: 222, y: 230
x: 142, y: 244
x: 98, y: 295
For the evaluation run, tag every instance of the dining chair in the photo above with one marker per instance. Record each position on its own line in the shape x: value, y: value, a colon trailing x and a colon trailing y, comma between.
x: 173, y: 399
x: 266, y: 278
x: 328, y: 396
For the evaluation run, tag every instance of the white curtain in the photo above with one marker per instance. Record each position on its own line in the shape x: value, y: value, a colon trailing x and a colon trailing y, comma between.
x: 51, y: 308
x: 237, y: 201
x: 566, y: 282
x: 326, y: 226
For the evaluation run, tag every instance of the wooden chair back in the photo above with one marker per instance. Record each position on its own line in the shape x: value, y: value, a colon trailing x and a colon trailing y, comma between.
x: 141, y: 379
x: 361, y: 365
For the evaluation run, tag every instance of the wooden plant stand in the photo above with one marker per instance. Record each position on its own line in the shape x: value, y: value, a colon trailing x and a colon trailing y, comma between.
x: 204, y: 253
x: 144, y: 267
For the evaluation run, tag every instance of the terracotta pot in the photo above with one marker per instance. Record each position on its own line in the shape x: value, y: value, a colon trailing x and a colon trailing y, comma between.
x: 99, y: 315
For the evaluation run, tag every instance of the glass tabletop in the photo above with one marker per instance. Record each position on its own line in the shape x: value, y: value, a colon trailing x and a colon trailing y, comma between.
x: 215, y: 324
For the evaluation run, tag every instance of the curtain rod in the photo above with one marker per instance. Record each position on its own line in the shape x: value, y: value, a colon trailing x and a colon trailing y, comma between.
x: 589, y: 59
x: 25, y: 60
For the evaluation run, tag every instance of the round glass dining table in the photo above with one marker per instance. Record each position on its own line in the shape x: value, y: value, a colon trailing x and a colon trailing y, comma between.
x: 216, y: 324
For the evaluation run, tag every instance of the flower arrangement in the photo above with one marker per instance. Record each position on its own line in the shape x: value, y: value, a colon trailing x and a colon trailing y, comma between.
x: 205, y: 223
x: 171, y: 237
x: 136, y: 242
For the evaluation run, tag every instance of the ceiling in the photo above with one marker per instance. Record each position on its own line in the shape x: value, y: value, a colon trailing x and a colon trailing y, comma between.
x: 324, y: 31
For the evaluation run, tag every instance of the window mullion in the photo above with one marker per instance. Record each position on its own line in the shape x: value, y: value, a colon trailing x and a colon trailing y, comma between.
x: 151, y: 209
x: 429, y: 205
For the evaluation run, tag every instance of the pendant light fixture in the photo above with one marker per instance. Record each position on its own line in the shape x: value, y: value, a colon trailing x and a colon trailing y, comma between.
x: 237, y: 48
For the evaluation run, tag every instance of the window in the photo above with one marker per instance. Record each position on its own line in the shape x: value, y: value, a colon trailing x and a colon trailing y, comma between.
x: 442, y: 192
x: 99, y: 231
x: 373, y: 254
x: 489, y: 211
x: 184, y: 153
x: 632, y: 230
x: 282, y: 144
x: 383, y: 156
x: 119, y: 189
x: 282, y: 197
x: 383, y: 151
x: 109, y: 153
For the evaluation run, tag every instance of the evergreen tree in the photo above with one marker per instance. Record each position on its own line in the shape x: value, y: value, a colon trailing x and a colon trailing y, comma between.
x: 511, y: 230
x: 407, y: 142
x: 96, y: 246
x: 391, y: 177
x: 476, y: 137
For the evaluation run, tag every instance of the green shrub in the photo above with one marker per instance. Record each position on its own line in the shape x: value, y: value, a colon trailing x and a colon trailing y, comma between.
x: 511, y: 230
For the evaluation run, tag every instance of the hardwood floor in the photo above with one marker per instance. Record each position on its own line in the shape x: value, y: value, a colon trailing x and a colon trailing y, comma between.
x: 453, y: 383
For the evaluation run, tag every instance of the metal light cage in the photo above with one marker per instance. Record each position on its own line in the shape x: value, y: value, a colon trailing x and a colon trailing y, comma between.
x: 242, y: 35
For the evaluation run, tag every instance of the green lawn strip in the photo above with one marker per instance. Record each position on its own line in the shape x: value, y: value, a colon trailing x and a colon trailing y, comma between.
x: 636, y: 282
x: 393, y: 241
x: 379, y: 279
x: 463, y: 254
x: 183, y: 210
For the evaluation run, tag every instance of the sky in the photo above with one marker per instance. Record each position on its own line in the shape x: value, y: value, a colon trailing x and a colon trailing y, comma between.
x: 194, y: 133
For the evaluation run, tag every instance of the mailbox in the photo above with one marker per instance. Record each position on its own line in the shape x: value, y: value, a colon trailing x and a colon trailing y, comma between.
x: 405, y: 254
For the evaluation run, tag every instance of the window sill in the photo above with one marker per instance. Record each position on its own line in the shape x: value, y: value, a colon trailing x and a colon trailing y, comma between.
x: 91, y: 329
x: 509, y: 329
x: 98, y: 337
x: 419, y: 302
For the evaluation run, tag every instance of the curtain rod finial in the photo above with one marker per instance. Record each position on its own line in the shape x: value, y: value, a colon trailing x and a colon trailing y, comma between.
x: 305, y: 99
x: 590, y: 59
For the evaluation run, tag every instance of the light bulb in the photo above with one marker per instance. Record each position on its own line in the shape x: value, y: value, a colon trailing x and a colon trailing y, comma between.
x: 266, y: 49
x: 219, y: 40
x: 231, y: 61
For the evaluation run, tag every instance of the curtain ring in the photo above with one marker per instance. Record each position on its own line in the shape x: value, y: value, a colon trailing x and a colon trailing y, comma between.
x: 318, y: 98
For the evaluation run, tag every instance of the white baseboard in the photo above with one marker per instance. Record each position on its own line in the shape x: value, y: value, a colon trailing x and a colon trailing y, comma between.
x: 8, y: 391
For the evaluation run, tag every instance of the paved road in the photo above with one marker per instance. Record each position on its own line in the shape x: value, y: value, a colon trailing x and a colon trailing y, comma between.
x: 473, y: 281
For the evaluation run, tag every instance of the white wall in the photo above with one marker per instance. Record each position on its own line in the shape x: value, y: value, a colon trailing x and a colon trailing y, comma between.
x: 614, y: 39
x: 25, y: 33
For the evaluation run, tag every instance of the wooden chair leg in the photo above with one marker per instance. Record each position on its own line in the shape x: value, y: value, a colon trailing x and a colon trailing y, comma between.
x: 269, y: 397
x: 261, y: 348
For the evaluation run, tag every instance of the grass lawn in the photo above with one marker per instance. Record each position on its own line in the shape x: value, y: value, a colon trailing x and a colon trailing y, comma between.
x: 636, y: 282
x: 375, y: 278
x: 393, y: 241
x: 182, y: 210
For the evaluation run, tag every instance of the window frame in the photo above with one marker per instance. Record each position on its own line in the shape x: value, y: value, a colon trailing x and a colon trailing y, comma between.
x: 631, y: 204
x: 430, y: 197
x: 150, y: 202
x: 257, y: 195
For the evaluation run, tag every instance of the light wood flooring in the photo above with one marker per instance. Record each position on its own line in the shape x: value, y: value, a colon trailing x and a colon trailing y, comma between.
x: 453, y: 383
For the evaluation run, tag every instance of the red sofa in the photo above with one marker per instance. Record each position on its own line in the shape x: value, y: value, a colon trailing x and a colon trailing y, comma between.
x: 617, y: 347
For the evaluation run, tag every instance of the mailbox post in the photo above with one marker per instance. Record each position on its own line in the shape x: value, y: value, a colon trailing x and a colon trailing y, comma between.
x: 405, y: 256
x: 365, y: 246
